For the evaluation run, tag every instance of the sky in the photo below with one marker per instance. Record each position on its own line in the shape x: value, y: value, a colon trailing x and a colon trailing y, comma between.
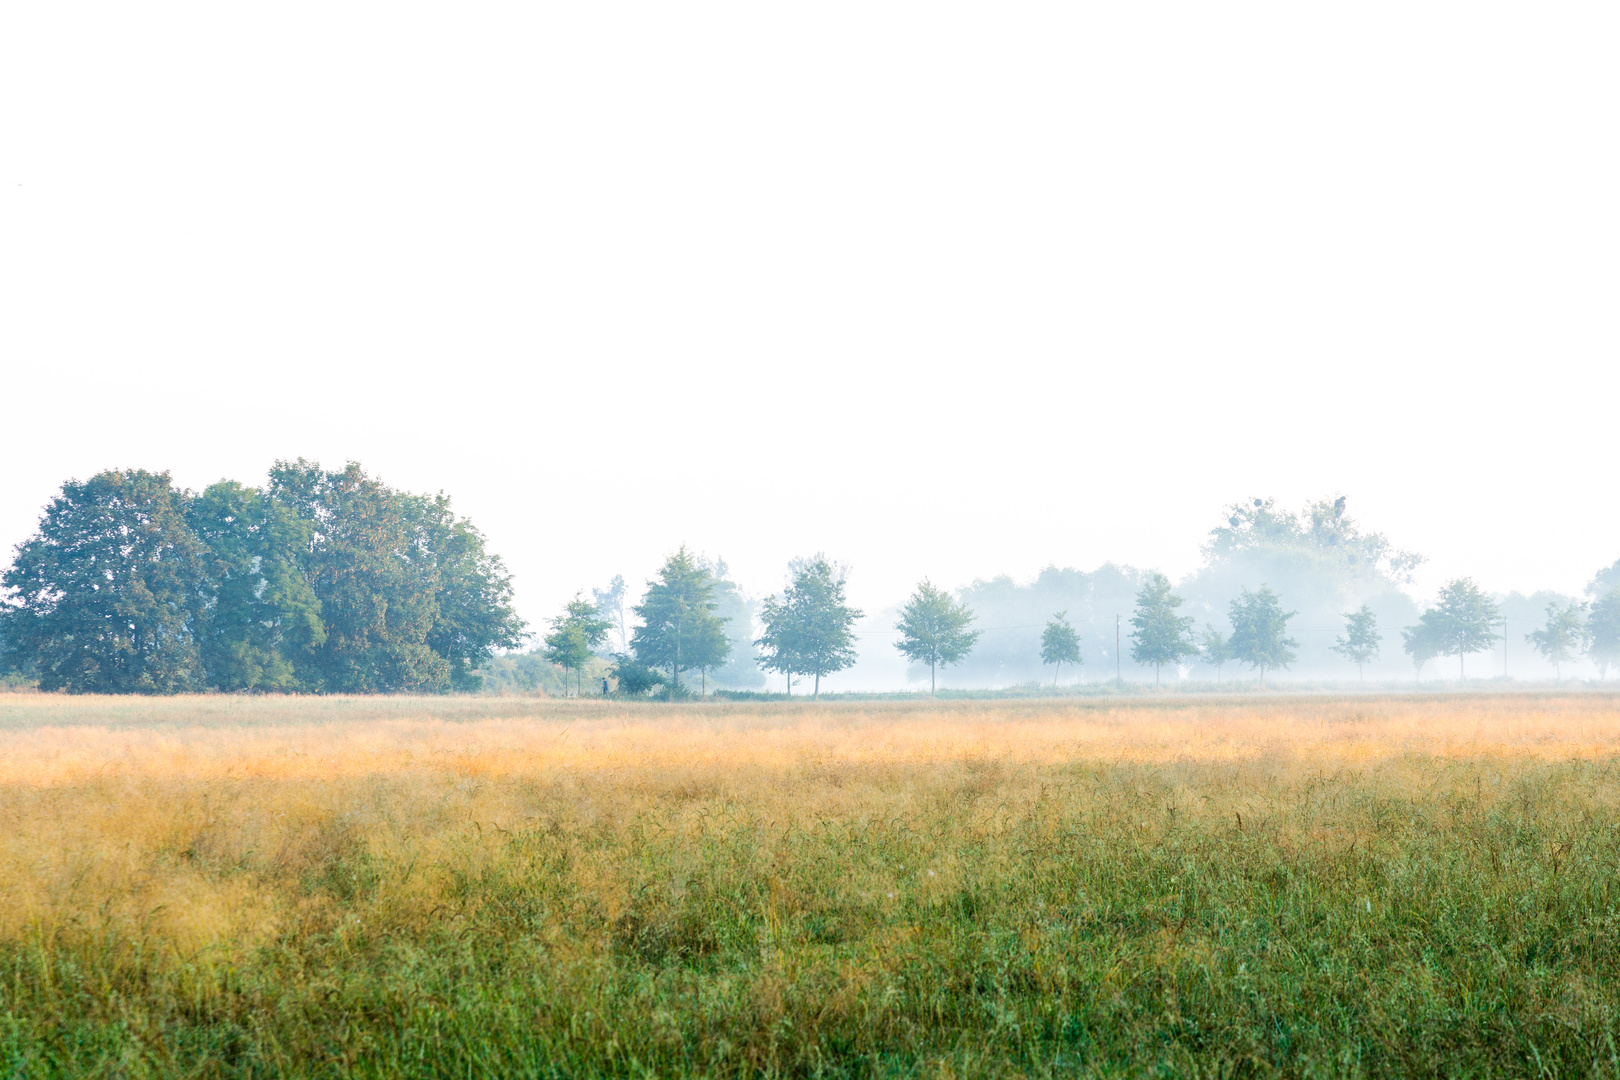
x: 942, y: 290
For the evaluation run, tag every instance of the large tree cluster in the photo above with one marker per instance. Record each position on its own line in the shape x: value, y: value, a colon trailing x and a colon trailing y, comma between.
x: 318, y: 582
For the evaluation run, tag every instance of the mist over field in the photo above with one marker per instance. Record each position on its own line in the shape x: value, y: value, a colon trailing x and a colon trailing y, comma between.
x: 852, y: 540
x: 1321, y: 569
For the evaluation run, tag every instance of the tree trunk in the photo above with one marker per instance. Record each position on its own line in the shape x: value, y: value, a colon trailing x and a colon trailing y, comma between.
x: 1055, y: 671
x: 931, y: 687
x: 815, y: 695
x: 1156, y: 675
x: 1462, y: 667
x: 705, y: 682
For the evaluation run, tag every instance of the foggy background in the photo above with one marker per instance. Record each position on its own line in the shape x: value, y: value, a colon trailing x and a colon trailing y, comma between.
x: 956, y: 291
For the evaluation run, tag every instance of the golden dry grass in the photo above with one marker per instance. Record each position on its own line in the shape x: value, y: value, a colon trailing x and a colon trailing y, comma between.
x: 193, y: 834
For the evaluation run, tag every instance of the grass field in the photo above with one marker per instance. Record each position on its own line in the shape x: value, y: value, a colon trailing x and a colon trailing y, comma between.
x: 1380, y: 886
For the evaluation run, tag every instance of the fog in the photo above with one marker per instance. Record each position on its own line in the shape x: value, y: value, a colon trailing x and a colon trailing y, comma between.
x: 1322, y: 569
x: 1016, y: 299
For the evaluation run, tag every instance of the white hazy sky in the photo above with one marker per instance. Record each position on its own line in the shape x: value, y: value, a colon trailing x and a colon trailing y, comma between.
x: 939, y: 288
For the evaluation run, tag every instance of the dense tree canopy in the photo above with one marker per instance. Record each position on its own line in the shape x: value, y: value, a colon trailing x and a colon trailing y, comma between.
x: 320, y: 582
x: 107, y: 596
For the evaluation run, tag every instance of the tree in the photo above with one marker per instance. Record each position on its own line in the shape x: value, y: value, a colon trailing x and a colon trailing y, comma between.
x: 1214, y: 649
x: 410, y: 598
x: 1359, y: 642
x: 708, y: 646
x: 575, y: 635
x: 679, y: 629
x: 1161, y: 636
x: 1462, y: 620
x: 780, y: 640
x: 105, y: 597
x: 472, y: 591
x: 263, y: 620
x: 740, y: 669
x: 1562, y: 638
x: 1259, y: 628
x: 633, y: 677
x: 610, y: 606
x: 934, y: 630
x: 810, y: 630
x: 1060, y: 645
x: 319, y: 582
x: 1422, y: 642
x: 1603, y: 631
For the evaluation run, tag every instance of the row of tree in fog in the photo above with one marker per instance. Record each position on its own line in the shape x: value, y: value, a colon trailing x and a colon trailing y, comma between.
x: 333, y: 582
x: 1349, y: 580
x: 809, y: 630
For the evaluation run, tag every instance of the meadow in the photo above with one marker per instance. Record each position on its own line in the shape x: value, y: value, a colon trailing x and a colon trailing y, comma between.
x: 232, y: 886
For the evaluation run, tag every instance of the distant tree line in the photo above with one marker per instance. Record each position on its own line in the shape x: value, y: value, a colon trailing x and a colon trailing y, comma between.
x: 808, y: 628
x: 323, y: 582
x: 318, y: 582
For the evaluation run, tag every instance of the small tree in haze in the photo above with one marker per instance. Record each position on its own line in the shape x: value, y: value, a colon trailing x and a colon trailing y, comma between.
x: 934, y: 630
x: 575, y: 635
x: 810, y: 629
x: 679, y: 629
x: 1359, y: 642
x: 1603, y: 632
x: 610, y: 606
x: 1562, y: 638
x: 1462, y: 620
x: 1259, y: 631
x: 1422, y: 643
x: 1161, y: 636
x: 1060, y: 645
x: 1214, y: 649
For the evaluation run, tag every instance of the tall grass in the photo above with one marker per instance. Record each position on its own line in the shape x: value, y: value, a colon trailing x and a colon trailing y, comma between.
x: 476, y: 887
